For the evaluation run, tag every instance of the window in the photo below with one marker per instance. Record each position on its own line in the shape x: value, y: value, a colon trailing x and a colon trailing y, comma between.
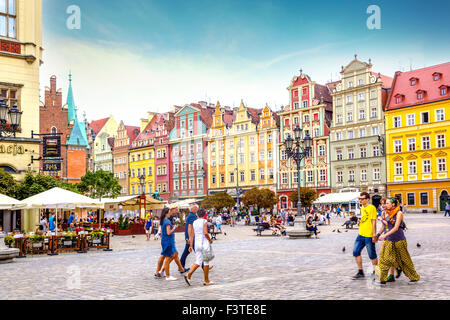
x: 322, y: 175
x: 424, y: 198
x: 376, y: 151
x: 373, y: 112
x: 420, y: 96
x: 363, y: 174
x: 351, y: 153
x: 261, y: 139
x: 339, y: 176
x: 440, y: 115
x: 269, y: 155
x: 411, y: 119
x: 440, y: 141
x: 175, y: 167
x: 213, y: 179
x: 350, y: 116
x: 425, y: 143
x: 338, y: 136
x: 398, y: 168
x: 310, y: 176
x: 412, y: 169
x: 231, y: 177
x: 339, y: 155
x: 350, y: 84
x: 349, y: 99
x: 222, y: 144
x: 199, y: 164
x: 252, y: 141
x: 295, y: 177
x: 350, y: 134
x: 200, y: 184
x: 305, y: 104
x: 398, y: 99
x: 213, y: 162
x: 139, y: 172
x: 284, y: 178
x: 376, y: 173
x: 252, y: 157
x: 269, y: 138
x: 8, y: 18
x: 426, y: 166
x: 411, y: 199
x: 443, y: 91
x: 262, y: 174
x: 222, y: 178
x: 397, y: 122
x: 143, y: 172
x: 283, y: 155
x: 222, y: 160
x: 362, y: 96
x: 183, y: 167
x: 231, y: 159
x: 339, y: 118
x: 213, y: 146
x: 398, y: 146
x: 133, y: 190
x: 362, y: 133
x: 322, y: 150
x: 242, y: 175
x: 150, y: 171
x: 360, y: 82
x: 442, y: 165
x: 351, y: 176
x: 199, y: 149
x: 424, y: 117
x: 412, y: 144
x: 363, y: 152
x: 261, y: 156
x: 362, y: 114
x: 374, y: 131
x: 132, y: 174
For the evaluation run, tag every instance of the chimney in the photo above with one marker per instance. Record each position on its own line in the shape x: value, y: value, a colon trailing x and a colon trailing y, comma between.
x: 53, y: 84
x: 204, y: 104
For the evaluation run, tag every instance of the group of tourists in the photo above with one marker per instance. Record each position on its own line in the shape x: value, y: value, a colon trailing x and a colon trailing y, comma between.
x: 197, y: 241
x: 394, y: 255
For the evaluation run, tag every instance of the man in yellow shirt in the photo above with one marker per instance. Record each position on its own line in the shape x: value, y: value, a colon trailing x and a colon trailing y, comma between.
x: 367, y: 234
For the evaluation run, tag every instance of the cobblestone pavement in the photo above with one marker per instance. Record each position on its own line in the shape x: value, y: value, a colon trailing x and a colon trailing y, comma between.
x: 246, y: 267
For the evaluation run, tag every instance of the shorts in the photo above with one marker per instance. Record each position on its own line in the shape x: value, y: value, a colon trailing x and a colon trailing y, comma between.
x: 219, y: 226
x: 147, y: 230
x: 199, y: 257
x: 362, y: 242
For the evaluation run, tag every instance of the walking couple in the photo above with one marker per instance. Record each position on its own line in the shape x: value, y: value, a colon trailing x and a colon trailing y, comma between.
x: 394, y: 250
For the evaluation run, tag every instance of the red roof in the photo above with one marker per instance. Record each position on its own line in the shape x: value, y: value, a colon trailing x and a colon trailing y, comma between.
x: 387, y: 81
x: 254, y: 114
x: 228, y: 117
x: 111, y: 142
x: 132, y: 132
x: 402, y: 86
x: 206, y: 115
x: 97, y: 125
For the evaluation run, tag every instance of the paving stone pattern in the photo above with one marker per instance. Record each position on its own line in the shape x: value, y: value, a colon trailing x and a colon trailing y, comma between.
x: 246, y: 267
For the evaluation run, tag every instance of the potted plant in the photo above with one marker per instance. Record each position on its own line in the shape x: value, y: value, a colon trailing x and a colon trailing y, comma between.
x: 68, y: 238
x: 96, y: 236
x: 37, y: 240
x: 9, y: 241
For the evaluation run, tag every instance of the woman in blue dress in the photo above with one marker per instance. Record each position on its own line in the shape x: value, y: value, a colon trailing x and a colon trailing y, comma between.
x: 169, y: 251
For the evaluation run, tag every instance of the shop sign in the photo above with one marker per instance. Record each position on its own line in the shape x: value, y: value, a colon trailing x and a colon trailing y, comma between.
x: 13, y: 149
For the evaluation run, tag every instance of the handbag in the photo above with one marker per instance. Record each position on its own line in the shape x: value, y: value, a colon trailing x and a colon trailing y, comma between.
x: 207, y: 253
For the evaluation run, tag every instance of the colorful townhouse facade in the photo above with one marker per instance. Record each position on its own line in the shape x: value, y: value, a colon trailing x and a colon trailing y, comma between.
x: 103, y: 133
x: 188, y: 146
x: 310, y: 108
x: 242, y: 150
x: 358, y: 130
x: 163, y: 164
x: 418, y: 131
x: 125, y: 136
x: 142, y: 161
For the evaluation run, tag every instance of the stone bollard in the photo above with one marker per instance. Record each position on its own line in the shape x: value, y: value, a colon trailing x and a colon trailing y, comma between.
x: 6, y: 254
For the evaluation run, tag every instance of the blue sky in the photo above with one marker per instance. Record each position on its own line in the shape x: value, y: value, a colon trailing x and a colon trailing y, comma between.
x: 147, y: 55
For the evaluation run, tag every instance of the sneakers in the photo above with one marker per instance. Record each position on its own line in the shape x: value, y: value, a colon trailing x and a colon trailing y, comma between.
x: 185, y: 270
x: 379, y: 283
x: 358, y: 276
x: 413, y: 281
x: 157, y: 276
x: 208, y: 284
x: 170, y: 278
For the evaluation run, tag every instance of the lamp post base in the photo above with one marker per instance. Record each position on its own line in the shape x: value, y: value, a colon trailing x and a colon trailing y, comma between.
x: 299, y: 232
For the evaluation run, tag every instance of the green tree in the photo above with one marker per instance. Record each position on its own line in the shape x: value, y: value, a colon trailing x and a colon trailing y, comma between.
x: 100, y: 184
x: 307, y: 197
x: 218, y: 201
x: 8, y: 185
x: 259, y: 198
x: 34, y: 184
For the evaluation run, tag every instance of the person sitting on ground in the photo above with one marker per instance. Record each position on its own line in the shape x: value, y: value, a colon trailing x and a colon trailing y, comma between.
x: 311, y: 227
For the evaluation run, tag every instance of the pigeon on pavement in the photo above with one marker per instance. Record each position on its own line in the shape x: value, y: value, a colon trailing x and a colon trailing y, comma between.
x: 343, y: 249
x: 418, y: 245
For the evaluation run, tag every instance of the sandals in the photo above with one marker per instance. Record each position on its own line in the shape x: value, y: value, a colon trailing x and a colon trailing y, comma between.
x: 208, y: 284
x: 188, y: 281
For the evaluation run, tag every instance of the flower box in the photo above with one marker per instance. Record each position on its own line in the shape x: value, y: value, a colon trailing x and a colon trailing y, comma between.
x: 67, y: 243
x: 96, y: 241
x: 37, y: 245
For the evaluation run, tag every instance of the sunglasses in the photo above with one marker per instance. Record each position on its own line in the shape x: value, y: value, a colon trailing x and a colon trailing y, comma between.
x: 360, y: 199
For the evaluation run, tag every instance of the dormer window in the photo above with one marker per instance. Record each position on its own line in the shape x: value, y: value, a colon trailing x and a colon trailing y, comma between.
x: 399, y: 98
x: 420, y: 94
x: 444, y: 90
x: 414, y: 81
x: 437, y: 76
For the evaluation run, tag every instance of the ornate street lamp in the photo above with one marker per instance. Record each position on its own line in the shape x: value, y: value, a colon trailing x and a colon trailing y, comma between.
x: 14, y: 116
x: 142, y: 196
x: 3, y: 111
x: 298, y: 149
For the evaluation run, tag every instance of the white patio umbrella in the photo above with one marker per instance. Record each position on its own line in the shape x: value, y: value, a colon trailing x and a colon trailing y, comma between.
x: 8, y: 203
x: 58, y: 198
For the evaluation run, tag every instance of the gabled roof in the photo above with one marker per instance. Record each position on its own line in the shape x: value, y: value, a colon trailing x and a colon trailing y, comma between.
x: 132, y: 132
x: 402, y: 86
x: 98, y: 125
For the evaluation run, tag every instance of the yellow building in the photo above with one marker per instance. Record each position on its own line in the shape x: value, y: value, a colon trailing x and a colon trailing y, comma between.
x: 417, y: 133
x: 242, y: 149
x: 20, y: 59
x: 142, y: 161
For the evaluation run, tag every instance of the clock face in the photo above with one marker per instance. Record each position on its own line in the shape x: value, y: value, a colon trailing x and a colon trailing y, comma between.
x: 338, y: 87
x: 372, y: 79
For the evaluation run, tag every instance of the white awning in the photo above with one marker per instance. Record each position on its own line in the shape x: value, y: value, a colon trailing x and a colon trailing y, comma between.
x: 8, y: 203
x: 338, y: 198
x: 60, y: 199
